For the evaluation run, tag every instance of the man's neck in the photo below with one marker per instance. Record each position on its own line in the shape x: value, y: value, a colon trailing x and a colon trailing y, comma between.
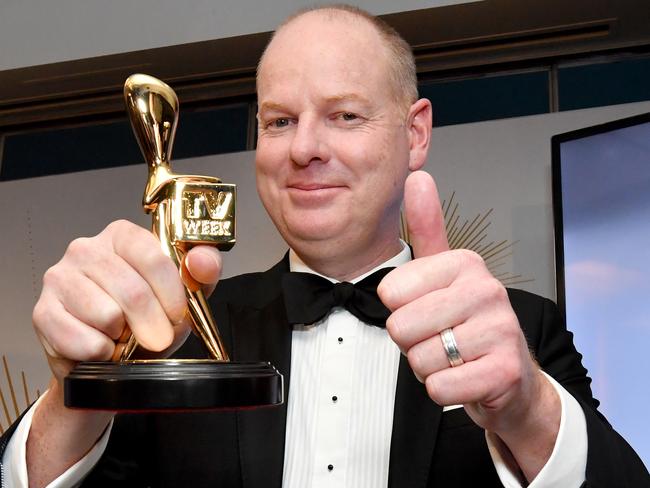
x: 349, y: 268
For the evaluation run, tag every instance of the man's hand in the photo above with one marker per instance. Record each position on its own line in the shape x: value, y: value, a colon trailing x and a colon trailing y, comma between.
x: 499, y: 384
x: 119, y: 278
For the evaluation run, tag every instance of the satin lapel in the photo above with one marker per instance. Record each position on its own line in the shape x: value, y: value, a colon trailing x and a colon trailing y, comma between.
x: 262, y: 334
x: 415, y: 428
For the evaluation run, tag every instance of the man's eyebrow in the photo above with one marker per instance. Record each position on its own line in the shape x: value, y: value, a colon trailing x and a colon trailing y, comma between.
x: 272, y: 106
x: 330, y: 100
x: 347, y: 97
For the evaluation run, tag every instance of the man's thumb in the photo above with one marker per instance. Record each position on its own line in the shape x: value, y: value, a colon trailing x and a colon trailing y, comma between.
x: 424, y: 218
x: 201, y: 268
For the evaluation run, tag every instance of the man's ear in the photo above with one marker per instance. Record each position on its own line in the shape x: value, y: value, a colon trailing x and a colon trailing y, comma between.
x: 419, y: 120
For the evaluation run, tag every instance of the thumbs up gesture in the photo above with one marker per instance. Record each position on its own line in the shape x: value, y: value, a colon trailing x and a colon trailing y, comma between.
x: 494, y: 377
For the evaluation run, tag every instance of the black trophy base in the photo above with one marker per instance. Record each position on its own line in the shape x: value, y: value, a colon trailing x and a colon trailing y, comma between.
x: 172, y: 385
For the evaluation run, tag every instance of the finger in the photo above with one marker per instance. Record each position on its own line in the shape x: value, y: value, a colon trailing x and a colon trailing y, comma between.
x: 426, y: 316
x: 204, y: 265
x: 65, y: 336
x: 428, y: 356
x: 181, y: 332
x: 188, y: 280
x: 487, y: 380
x: 141, y: 250
x: 424, y: 217
x: 86, y: 301
x: 143, y: 311
x: 429, y: 295
x: 419, y: 277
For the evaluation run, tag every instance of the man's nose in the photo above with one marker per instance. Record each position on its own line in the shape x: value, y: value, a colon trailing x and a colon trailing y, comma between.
x: 309, y: 142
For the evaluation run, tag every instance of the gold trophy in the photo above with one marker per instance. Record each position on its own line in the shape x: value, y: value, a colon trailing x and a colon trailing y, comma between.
x: 186, y: 210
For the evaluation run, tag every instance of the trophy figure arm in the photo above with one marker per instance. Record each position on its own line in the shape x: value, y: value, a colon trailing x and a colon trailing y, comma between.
x: 161, y: 181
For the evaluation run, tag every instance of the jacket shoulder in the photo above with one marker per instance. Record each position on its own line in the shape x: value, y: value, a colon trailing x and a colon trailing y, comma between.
x: 531, y: 308
x: 252, y: 289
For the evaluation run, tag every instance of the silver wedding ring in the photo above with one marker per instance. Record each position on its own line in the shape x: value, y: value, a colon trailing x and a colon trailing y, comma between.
x: 451, y: 348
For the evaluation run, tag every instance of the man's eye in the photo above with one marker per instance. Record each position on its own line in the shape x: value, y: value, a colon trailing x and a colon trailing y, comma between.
x: 348, y: 116
x: 279, y: 123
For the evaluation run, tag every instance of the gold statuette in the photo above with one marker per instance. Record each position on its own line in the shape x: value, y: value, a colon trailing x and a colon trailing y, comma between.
x: 185, y: 209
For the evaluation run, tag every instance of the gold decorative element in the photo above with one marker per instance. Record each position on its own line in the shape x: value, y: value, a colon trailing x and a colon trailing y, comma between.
x: 472, y: 235
x: 8, y: 415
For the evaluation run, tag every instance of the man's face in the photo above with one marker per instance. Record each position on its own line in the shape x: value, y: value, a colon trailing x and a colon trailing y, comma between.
x: 332, y: 150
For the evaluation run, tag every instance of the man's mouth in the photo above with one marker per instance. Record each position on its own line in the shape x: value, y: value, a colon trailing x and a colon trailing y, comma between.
x: 313, y: 186
x: 313, y: 193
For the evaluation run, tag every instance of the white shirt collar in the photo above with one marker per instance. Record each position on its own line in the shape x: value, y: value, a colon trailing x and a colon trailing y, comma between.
x: 404, y: 256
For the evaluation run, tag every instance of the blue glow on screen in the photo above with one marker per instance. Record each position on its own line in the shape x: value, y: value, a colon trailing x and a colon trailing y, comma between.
x: 606, y: 214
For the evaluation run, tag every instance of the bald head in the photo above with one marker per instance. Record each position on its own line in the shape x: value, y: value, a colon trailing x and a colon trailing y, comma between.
x: 384, y: 42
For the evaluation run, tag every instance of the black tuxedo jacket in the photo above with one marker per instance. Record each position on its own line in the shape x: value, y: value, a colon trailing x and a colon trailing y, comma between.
x: 428, y: 448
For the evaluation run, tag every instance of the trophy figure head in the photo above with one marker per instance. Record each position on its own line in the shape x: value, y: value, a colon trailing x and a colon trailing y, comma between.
x: 153, y: 110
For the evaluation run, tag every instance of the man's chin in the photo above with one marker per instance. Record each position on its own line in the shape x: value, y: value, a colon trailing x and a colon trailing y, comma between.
x: 310, y: 231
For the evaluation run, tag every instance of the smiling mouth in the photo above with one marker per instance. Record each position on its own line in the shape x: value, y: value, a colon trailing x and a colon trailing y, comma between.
x: 313, y: 186
x: 313, y: 194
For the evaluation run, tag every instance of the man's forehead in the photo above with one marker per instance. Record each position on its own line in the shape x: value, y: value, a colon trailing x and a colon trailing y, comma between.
x: 316, y: 41
x: 280, y: 90
x: 323, y: 29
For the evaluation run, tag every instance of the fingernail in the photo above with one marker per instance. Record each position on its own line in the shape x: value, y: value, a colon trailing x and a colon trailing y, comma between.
x: 210, y: 255
x: 185, y: 318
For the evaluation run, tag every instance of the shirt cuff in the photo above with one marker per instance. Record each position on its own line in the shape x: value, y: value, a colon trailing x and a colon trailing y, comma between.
x: 15, y: 465
x: 568, y: 461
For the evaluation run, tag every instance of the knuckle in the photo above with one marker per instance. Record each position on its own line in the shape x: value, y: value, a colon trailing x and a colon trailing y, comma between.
x: 387, y: 293
x: 52, y: 276
x: 78, y: 247
x: 393, y: 327
x: 96, y: 350
x: 110, y: 318
x: 138, y: 295
x: 497, y: 290
x: 154, y: 258
x: 506, y: 327
x: 513, y: 331
x: 40, y: 314
x: 468, y: 257
x: 488, y: 292
x: 120, y: 225
x: 59, y: 339
x: 414, y: 357
x: 433, y: 389
x: 123, y: 233
x: 492, y: 290
x: 511, y: 372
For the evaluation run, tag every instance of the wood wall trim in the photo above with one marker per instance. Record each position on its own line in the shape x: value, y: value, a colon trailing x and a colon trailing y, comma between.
x: 492, y: 34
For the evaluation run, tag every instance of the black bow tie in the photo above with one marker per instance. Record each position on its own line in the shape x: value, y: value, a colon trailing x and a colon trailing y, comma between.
x: 309, y: 297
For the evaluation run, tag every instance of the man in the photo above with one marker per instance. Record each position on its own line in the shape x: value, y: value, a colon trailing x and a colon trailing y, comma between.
x: 340, y: 129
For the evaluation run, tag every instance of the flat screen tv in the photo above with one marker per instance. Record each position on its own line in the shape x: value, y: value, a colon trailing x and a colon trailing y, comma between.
x: 601, y: 198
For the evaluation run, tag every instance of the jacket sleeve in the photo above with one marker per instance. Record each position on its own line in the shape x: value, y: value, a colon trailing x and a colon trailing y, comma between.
x: 610, y: 459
